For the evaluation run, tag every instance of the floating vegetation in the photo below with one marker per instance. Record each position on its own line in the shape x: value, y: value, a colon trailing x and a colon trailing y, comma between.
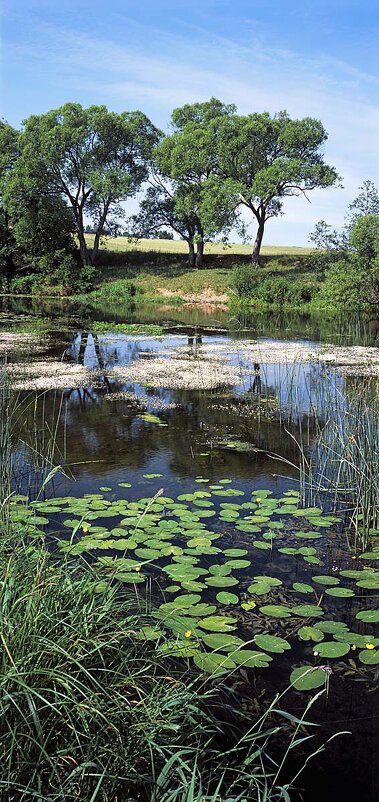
x: 191, y: 373
x: 47, y: 375
x: 208, y: 589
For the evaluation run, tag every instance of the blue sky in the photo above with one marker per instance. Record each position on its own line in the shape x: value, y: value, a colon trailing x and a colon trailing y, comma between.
x: 315, y: 59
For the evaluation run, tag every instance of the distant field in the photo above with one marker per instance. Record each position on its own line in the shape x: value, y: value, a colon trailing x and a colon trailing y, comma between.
x: 178, y: 246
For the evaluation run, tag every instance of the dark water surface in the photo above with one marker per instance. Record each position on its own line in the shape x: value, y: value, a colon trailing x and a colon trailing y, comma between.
x: 102, y: 442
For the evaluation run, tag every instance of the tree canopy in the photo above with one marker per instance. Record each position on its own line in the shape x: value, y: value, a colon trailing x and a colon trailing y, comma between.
x: 92, y: 158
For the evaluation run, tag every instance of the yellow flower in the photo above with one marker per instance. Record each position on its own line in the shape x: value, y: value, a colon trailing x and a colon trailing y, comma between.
x: 370, y: 645
x: 85, y: 527
x: 137, y: 568
x: 258, y: 500
x: 188, y: 633
x: 354, y: 647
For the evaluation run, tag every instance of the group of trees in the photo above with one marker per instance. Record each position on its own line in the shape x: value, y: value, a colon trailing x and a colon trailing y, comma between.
x: 74, y: 165
x: 349, y: 260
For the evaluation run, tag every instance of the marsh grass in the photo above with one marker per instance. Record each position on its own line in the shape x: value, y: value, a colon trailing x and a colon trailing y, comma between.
x: 337, y: 441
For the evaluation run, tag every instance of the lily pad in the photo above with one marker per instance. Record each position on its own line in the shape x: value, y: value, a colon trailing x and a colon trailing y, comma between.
x: 272, y: 643
x: 332, y: 649
x: 369, y: 658
x: 369, y: 616
x: 213, y: 663
x: 311, y: 633
x: 307, y: 678
x: 218, y: 623
x: 275, y: 611
x: 227, y: 598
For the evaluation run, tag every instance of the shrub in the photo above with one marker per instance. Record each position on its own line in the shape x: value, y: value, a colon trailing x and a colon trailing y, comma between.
x: 347, y: 284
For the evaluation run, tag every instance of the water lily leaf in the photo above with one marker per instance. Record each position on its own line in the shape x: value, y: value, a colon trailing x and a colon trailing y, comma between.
x: 311, y: 633
x: 238, y: 564
x: 331, y: 627
x: 275, y: 610
x: 307, y: 611
x: 193, y: 585
x: 259, y: 588
x: 105, y: 489
x: 223, y: 642
x: 221, y: 581
x: 251, y: 659
x: 235, y: 552
x: 178, y: 648
x: 307, y: 678
x: 213, y: 663
x: 218, y: 623
x: 227, y: 598
x: 332, y: 649
x: 322, y: 579
x: 369, y: 658
x: 370, y: 555
x: 344, y: 593
x: 308, y: 535
x: 187, y: 600
x: 128, y: 577
x: 220, y: 570
x: 201, y: 610
x: 302, y: 587
x: 369, y: 616
x: 272, y: 643
x: 261, y: 544
x: 273, y: 581
x: 124, y: 484
x: 148, y: 554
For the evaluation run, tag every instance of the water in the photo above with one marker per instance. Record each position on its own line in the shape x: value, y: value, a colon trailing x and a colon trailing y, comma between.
x: 102, y: 439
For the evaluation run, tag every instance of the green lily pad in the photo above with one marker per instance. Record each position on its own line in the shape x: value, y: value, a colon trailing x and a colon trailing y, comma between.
x: 322, y: 579
x: 272, y: 643
x: 302, y: 587
x: 332, y: 649
x: 332, y: 627
x: 213, y: 663
x: 311, y: 633
x: 235, y: 552
x: 307, y: 678
x: 251, y: 659
x: 221, y: 581
x: 275, y: 611
x: 369, y: 658
x: 227, y: 598
x: 223, y: 642
x: 369, y: 616
x: 218, y: 623
x: 343, y: 593
x: 307, y: 611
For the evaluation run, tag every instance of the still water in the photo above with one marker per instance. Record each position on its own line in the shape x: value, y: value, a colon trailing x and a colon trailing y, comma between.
x: 246, y: 430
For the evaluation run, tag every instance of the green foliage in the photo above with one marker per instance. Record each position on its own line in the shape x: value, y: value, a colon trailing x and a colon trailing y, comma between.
x: 92, y: 158
x: 274, y: 289
x: 347, y: 284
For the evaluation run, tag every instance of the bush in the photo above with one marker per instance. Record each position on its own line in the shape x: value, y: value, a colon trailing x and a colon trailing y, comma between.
x: 273, y: 289
x: 245, y: 280
x: 347, y: 284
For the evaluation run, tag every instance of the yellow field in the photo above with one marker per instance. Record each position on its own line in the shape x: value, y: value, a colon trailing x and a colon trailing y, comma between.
x: 179, y: 246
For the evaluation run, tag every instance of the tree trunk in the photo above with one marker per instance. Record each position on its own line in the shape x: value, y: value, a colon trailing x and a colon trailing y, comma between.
x: 258, y: 243
x: 191, y: 253
x: 84, y: 252
x: 199, y: 253
x: 100, y: 228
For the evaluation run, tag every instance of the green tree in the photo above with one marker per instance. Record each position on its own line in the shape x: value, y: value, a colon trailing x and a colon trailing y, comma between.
x: 9, y: 151
x: 268, y: 158
x: 366, y: 203
x: 92, y: 158
x: 162, y: 207
x: 186, y: 161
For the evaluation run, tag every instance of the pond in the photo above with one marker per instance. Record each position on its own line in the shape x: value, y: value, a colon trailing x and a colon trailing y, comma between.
x: 188, y: 452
